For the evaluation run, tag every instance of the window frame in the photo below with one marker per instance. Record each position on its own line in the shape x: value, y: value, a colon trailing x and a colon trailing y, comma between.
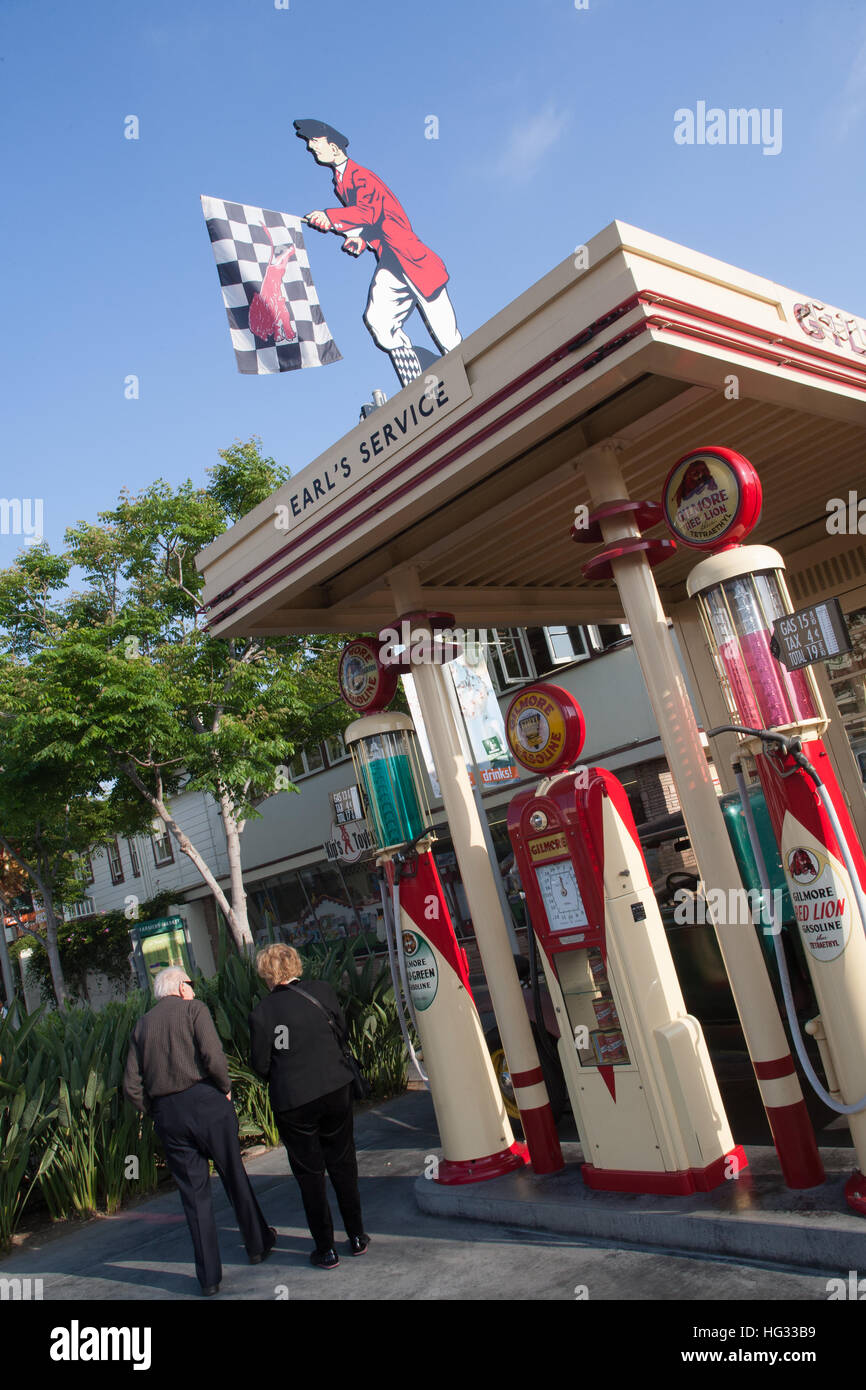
x: 162, y: 863
x: 502, y: 681
x: 134, y: 858
x: 308, y: 771
x: 343, y: 757
x: 117, y: 874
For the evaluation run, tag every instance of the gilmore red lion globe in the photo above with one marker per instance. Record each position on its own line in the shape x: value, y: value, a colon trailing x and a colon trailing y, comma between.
x: 712, y: 498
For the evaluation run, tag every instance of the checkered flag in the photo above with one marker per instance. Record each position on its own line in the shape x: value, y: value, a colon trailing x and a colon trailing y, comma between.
x: 275, y: 318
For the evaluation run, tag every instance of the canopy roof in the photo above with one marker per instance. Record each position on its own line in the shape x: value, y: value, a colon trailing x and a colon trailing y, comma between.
x: 472, y: 474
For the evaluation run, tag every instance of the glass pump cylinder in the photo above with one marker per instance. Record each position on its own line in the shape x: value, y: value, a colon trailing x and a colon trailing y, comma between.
x: 740, y: 593
x: 388, y: 767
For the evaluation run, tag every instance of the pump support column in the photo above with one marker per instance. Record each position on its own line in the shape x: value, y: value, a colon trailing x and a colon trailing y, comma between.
x: 479, y: 885
x: 753, y: 995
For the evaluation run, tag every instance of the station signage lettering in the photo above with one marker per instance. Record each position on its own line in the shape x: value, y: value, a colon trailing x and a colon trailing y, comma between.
x: 377, y: 439
x: 821, y: 893
x: 831, y: 326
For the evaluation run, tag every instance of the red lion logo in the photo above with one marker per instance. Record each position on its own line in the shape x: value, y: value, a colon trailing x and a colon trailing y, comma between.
x: 802, y: 864
x: 270, y: 315
x: 696, y: 478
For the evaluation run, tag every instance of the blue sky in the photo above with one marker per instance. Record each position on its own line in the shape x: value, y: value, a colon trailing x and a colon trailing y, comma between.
x: 552, y: 122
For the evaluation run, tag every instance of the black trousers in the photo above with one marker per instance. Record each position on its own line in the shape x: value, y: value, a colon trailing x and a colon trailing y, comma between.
x: 194, y: 1126
x: 319, y: 1136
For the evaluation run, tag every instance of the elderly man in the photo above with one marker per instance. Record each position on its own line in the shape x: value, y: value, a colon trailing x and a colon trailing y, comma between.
x: 176, y: 1072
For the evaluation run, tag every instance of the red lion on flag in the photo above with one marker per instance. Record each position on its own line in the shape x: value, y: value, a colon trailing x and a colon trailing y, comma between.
x: 270, y: 315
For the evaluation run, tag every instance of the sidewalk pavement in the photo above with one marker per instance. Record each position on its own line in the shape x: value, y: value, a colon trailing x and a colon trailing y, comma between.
x: 753, y: 1217
x: 500, y: 1240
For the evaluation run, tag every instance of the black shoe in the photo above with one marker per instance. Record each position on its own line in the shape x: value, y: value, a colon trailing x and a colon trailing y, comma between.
x: 325, y: 1259
x: 257, y: 1259
x: 358, y: 1245
x: 208, y: 1290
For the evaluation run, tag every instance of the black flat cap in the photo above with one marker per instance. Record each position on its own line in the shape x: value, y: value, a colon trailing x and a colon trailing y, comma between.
x: 309, y: 130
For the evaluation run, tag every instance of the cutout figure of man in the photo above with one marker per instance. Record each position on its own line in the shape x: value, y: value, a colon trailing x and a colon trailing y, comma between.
x: 408, y: 274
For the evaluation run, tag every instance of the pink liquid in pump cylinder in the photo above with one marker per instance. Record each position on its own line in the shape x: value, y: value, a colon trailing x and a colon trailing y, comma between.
x: 767, y: 696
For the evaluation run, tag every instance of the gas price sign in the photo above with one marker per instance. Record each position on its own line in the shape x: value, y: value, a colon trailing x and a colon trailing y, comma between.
x: 809, y: 635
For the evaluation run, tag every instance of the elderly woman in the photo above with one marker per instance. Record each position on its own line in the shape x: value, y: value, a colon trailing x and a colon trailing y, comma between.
x: 294, y: 1046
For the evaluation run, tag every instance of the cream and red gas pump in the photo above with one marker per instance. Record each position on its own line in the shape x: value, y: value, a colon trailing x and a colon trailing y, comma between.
x: 712, y: 499
x: 642, y: 1088
x: 426, y: 958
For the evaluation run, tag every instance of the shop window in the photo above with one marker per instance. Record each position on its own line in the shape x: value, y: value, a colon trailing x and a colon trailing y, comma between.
x: 635, y: 799
x: 511, y: 660
x: 308, y: 761
x: 115, y: 863
x: 606, y: 635
x: 567, y: 644
x: 162, y: 848
x: 518, y: 655
x: 336, y: 750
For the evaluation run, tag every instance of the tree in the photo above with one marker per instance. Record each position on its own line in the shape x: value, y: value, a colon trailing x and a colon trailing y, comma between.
x: 51, y: 812
x: 136, y: 693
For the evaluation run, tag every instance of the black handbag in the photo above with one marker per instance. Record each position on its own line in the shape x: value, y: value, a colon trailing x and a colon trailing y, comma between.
x: 361, y: 1087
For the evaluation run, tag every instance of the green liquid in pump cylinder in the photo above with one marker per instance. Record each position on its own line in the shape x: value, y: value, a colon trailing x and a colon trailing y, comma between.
x: 393, y: 800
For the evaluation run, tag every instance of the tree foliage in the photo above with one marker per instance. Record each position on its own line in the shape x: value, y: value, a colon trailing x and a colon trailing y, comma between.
x: 123, y: 696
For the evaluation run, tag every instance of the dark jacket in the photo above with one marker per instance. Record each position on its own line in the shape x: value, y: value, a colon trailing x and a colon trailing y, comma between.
x: 174, y: 1046
x: 294, y: 1047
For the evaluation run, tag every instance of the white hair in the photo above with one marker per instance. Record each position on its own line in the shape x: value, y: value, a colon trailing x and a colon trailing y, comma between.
x: 168, y: 981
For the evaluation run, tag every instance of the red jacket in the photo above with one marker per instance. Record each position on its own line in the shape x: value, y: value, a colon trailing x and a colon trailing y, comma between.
x: 370, y: 208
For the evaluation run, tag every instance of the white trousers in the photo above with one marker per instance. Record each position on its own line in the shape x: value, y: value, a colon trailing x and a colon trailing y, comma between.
x: 391, y: 300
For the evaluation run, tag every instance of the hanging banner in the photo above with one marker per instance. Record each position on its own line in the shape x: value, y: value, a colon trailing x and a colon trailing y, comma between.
x: 275, y: 319
x: 483, y: 719
x: 423, y: 741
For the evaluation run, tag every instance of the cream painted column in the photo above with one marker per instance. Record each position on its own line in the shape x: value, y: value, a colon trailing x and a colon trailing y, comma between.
x: 712, y: 709
x: 479, y: 885
x: 738, y: 943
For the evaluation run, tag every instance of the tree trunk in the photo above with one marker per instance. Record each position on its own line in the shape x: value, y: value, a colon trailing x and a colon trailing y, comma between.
x: 239, y: 897
x: 5, y: 962
x: 239, y: 927
x: 57, y: 979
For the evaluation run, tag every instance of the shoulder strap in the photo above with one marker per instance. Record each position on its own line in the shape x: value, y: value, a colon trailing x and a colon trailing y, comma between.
x: 312, y: 999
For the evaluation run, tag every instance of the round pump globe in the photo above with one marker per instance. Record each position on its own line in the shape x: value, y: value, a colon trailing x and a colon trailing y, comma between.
x: 384, y: 750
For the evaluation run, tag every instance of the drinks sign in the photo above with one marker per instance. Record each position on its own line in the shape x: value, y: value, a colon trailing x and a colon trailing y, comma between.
x: 712, y: 498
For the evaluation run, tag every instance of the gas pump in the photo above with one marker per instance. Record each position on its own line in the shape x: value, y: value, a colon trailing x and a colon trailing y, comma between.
x: 428, y: 965
x: 779, y: 715
x: 639, y: 1077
